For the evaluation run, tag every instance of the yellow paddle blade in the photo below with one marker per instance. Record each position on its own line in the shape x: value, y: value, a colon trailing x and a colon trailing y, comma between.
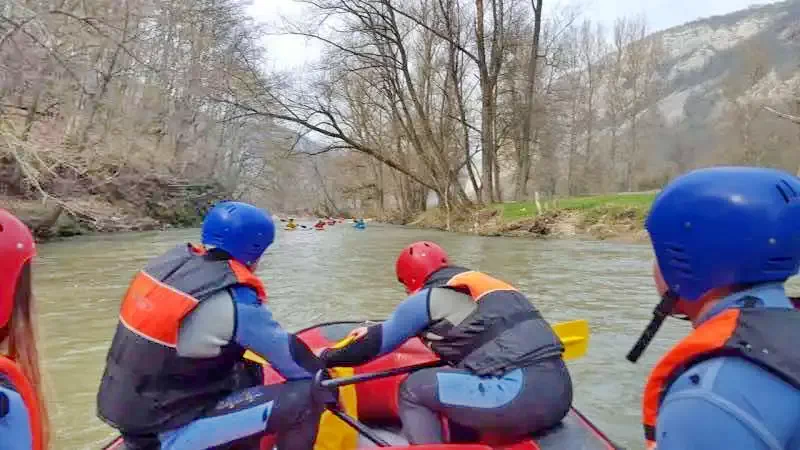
x: 573, y: 334
x: 575, y: 337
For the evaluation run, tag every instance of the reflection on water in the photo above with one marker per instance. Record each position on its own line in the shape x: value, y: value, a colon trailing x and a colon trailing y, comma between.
x: 342, y: 273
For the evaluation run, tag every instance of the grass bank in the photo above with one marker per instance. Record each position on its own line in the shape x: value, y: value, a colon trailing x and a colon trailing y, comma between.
x: 613, y: 216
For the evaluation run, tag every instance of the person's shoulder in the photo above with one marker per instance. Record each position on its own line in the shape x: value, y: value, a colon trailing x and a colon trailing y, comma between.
x: 734, y: 396
x: 730, y: 376
x: 244, y: 295
x: 11, y: 400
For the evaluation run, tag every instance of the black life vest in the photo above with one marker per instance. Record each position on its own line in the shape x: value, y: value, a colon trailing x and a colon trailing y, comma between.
x: 504, y: 331
x: 147, y: 387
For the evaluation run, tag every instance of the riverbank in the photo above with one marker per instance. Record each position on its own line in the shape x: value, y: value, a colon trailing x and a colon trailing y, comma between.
x: 618, y: 217
x: 148, y: 203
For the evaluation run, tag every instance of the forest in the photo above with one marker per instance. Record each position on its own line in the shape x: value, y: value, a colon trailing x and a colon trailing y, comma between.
x: 126, y: 114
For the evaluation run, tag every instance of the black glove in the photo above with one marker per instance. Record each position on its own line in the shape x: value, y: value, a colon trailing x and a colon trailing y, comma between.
x: 358, y: 352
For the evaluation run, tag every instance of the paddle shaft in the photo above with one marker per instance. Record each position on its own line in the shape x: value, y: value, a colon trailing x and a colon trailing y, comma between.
x: 338, y: 382
x: 360, y: 427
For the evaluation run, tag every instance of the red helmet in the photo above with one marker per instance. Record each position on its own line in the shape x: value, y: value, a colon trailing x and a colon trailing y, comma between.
x: 17, y: 247
x: 417, y: 262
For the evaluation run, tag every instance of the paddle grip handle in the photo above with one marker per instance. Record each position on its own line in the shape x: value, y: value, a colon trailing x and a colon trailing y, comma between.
x: 660, y: 313
x: 644, y: 340
x: 338, y: 382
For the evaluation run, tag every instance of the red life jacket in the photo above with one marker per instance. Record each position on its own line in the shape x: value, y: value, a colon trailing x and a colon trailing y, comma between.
x: 147, y: 387
x: 20, y: 384
x: 767, y: 337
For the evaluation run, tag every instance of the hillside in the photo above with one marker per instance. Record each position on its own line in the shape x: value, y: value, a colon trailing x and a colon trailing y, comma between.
x: 717, y: 74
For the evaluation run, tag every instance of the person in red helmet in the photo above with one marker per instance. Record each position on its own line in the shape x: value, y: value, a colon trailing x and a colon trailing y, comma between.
x: 504, y: 371
x: 23, y: 417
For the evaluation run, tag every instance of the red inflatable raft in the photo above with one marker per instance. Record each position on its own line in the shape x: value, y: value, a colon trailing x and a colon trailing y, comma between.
x: 376, y: 404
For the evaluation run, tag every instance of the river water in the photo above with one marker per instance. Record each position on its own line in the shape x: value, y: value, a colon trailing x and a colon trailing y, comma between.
x: 343, y: 273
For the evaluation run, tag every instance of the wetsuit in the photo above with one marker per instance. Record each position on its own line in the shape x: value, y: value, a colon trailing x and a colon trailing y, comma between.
x: 236, y: 408
x: 729, y: 402
x: 506, y: 374
x: 15, y: 428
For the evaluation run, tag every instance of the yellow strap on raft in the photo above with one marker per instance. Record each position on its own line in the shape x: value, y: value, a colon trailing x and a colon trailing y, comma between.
x: 344, y: 342
x: 334, y: 434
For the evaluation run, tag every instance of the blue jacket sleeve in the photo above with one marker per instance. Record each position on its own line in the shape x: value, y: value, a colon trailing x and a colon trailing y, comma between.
x: 408, y: 319
x: 15, y: 429
x: 257, y: 331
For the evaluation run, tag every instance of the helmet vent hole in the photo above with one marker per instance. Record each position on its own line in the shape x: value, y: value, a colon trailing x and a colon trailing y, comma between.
x: 1, y: 227
x: 678, y: 259
x: 787, y: 191
x: 789, y: 187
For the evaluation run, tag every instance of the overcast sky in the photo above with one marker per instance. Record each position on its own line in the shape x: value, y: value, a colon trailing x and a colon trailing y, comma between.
x: 289, y: 52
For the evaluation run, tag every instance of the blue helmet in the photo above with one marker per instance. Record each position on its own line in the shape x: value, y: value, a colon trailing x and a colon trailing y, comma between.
x: 724, y: 226
x: 240, y: 229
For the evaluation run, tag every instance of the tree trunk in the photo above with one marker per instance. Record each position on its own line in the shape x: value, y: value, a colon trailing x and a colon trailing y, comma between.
x: 524, y: 161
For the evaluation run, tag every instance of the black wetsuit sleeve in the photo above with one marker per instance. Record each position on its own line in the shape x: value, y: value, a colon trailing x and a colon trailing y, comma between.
x: 359, y: 352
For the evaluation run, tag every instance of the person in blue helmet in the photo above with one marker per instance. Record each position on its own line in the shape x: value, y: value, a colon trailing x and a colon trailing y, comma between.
x: 725, y: 240
x: 175, y: 377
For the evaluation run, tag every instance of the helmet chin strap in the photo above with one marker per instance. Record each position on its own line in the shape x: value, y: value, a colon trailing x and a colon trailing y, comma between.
x: 663, y: 310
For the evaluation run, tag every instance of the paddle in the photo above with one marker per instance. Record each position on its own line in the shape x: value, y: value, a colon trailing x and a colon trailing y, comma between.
x: 345, y: 381
x: 573, y: 334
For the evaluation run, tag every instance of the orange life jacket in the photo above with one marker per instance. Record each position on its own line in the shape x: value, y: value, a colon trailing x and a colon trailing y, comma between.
x: 767, y: 337
x: 20, y: 384
x: 489, y: 340
x: 154, y: 309
x: 147, y: 387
